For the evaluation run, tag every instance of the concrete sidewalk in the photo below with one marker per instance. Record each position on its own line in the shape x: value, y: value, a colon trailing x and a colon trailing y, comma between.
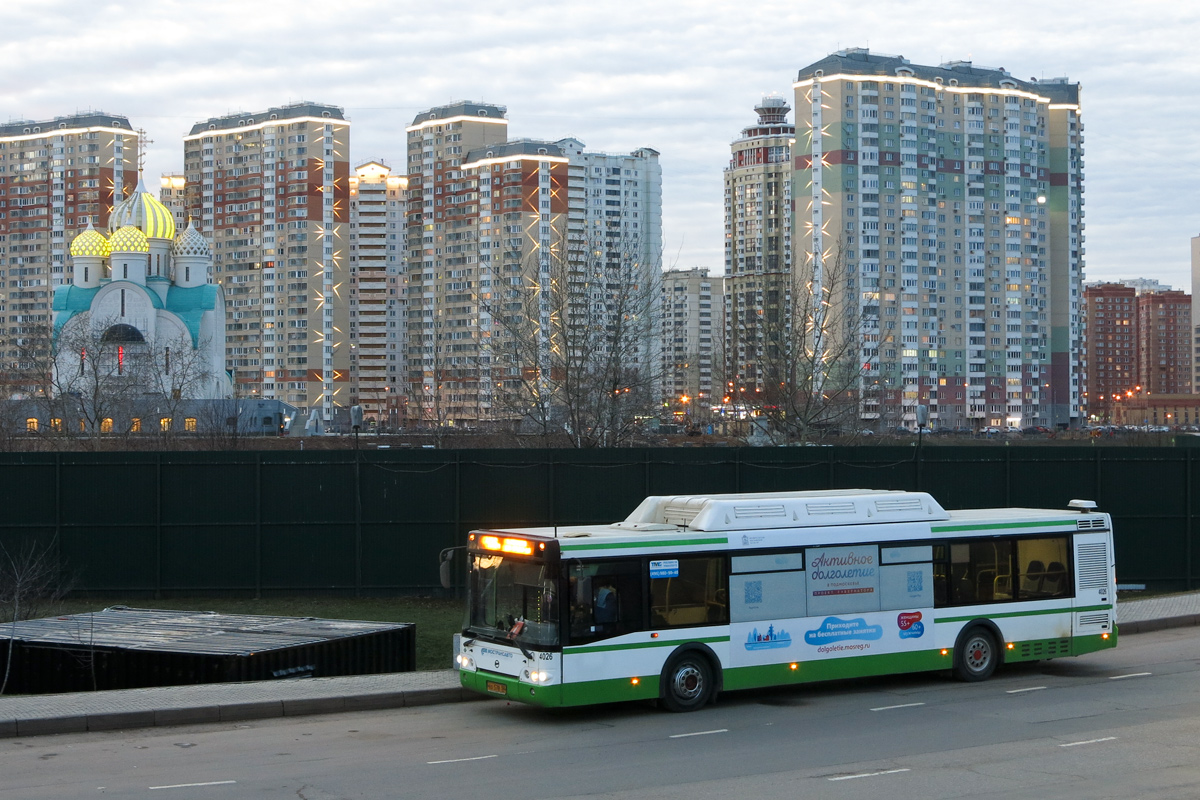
x: 32, y: 715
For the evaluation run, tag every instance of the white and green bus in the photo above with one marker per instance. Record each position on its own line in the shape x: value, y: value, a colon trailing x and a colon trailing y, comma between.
x: 693, y: 595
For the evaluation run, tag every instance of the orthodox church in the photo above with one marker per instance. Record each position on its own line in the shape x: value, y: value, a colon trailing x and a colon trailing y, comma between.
x: 144, y: 291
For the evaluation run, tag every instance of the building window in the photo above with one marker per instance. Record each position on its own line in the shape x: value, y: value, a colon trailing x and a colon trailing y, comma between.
x: 189, y: 424
x: 135, y: 425
x: 164, y: 424
x: 31, y: 425
x: 106, y: 425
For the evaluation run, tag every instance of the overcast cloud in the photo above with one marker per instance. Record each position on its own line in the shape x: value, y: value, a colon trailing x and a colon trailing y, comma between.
x: 681, y: 77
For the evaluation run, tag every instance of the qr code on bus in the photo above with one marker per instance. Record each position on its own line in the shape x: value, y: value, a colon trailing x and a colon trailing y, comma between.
x: 916, y: 581
x: 753, y: 592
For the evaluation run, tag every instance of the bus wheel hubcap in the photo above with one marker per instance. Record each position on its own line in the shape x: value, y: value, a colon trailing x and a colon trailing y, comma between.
x: 688, y: 681
x: 978, y: 654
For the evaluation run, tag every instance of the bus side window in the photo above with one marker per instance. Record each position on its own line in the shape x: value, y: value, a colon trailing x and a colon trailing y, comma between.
x: 696, y: 596
x: 605, y: 598
x: 1042, y: 565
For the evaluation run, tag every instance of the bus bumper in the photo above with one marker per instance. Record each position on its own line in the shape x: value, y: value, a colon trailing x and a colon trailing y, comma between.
x: 504, y: 687
x: 617, y: 690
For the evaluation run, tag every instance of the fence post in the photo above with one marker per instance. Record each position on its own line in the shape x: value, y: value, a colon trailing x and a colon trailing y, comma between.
x: 158, y: 531
x: 58, y: 533
x: 358, y: 544
x: 1007, y: 475
x: 553, y: 512
x: 1187, y: 517
x: 458, y: 531
x: 258, y: 565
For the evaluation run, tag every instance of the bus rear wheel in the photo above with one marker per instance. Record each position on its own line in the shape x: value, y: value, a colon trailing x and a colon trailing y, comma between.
x: 687, y: 682
x: 976, y: 657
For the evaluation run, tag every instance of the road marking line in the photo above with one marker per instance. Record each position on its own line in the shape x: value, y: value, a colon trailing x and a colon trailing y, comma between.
x: 1130, y: 675
x: 191, y: 785
x: 1026, y: 689
x: 902, y: 705
x: 1089, y: 741
x: 697, y: 733
x: 455, y: 760
x: 869, y: 774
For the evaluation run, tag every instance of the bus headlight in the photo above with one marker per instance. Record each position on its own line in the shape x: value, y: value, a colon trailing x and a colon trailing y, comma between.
x: 465, y: 661
x: 536, y: 676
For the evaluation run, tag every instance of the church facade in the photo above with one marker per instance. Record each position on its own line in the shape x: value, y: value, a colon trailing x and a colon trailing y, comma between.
x: 140, y: 308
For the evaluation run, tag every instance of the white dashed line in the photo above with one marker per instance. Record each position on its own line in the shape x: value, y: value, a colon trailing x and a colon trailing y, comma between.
x: 1026, y: 689
x: 1130, y: 675
x: 1088, y: 741
x: 902, y: 705
x: 698, y: 733
x: 869, y: 774
x: 192, y: 785
x: 456, y: 760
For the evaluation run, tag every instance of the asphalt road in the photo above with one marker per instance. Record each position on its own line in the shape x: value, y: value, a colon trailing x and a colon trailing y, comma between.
x: 1118, y: 724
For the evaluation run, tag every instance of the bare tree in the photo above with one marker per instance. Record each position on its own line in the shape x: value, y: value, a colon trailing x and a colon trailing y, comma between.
x: 31, y: 580
x: 101, y: 378
x: 573, y: 348
x: 811, y: 356
x: 174, y: 372
x: 92, y: 377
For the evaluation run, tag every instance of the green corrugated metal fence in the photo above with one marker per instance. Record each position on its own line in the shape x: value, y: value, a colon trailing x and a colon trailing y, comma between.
x: 373, y: 522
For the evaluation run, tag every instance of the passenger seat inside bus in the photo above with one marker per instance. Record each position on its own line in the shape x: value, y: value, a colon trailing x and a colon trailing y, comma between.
x: 1031, y: 581
x: 1055, y: 582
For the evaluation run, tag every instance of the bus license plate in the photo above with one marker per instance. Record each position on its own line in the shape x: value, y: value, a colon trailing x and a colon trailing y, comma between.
x: 497, y: 688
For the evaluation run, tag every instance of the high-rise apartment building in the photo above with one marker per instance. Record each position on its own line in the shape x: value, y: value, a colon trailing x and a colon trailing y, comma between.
x: 1195, y: 339
x: 615, y: 234
x: 758, y: 242
x: 271, y: 190
x: 1164, y: 352
x: 692, y: 328
x: 1136, y: 343
x: 494, y: 229
x: 56, y: 177
x: 453, y: 270
x: 377, y: 205
x: 954, y: 196
x: 1110, y: 346
x: 172, y: 193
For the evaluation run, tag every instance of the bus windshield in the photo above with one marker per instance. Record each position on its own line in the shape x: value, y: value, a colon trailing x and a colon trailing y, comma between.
x: 513, y: 599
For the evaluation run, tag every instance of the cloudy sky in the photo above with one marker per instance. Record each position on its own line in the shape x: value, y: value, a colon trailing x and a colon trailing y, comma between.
x: 681, y: 77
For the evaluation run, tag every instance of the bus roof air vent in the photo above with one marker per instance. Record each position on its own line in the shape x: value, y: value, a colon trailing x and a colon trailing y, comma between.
x: 759, y: 512
x: 680, y: 513
x: 1092, y: 523
x: 818, y: 509
x: 893, y: 505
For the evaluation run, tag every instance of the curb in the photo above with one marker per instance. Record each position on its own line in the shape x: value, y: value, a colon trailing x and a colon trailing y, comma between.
x: 232, y: 712
x: 1148, y: 625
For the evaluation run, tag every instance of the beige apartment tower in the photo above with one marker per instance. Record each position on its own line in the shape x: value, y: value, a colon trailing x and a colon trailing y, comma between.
x: 271, y: 190
x: 693, y: 322
x: 377, y: 203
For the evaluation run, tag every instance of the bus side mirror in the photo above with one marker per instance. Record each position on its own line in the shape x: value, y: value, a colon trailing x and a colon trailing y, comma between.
x: 445, y: 559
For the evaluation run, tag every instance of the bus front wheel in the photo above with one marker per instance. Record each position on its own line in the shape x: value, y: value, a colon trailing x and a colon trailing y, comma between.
x: 976, y: 657
x: 687, y: 682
